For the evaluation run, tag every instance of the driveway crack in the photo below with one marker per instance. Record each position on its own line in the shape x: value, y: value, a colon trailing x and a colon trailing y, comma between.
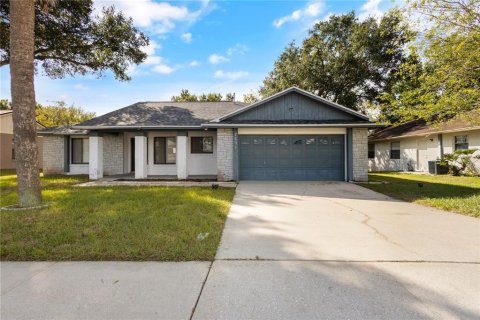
x: 365, y: 222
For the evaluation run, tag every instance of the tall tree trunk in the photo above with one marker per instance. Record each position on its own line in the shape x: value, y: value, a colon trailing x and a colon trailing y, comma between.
x: 22, y: 23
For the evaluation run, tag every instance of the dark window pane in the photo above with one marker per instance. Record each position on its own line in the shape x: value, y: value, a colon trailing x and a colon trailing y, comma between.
x: 159, y: 155
x: 395, y: 150
x: 257, y: 141
x: 299, y: 141
x: 202, y: 145
x: 271, y: 141
x: 461, y: 142
x: 336, y: 140
x: 77, y: 151
x: 371, y: 151
x: 171, y: 150
x: 394, y: 154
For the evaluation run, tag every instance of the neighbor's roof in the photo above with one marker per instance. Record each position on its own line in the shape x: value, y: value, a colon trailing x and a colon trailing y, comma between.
x: 162, y: 114
x: 417, y: 128
x: 61, y: 130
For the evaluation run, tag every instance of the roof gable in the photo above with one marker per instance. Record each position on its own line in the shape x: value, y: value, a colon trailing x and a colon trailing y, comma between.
x: 294, y: 104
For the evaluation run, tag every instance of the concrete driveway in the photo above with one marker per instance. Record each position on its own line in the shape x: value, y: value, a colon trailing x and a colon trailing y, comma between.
x: 336, y: 250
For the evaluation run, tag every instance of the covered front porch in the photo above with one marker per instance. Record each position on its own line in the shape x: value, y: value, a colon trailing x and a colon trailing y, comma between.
x: 151, y: 155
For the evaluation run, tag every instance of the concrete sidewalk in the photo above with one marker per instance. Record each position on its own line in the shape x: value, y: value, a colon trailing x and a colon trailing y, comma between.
x: 100, y: 290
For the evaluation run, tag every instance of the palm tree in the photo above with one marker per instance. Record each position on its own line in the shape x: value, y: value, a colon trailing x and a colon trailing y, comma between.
x: 22, y: 35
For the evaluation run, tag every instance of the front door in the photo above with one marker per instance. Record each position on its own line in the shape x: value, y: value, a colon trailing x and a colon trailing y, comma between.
x: 132, y: 154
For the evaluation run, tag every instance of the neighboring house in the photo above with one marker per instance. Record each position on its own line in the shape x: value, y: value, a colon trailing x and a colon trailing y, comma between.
x: 409, y: 146
x: 292, y: 135
x: 7, y: 152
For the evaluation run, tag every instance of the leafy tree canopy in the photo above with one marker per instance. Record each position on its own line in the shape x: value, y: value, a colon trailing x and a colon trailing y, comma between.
x: 447, y: 82
x: 5, y: 104
x: 185, y: 95
x: 250, y: 98
x: 71, y: 39
x: 344, y: 59
x: 61, y: 115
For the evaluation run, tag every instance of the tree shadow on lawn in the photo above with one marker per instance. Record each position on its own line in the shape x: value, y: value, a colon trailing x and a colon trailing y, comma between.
x: 119, y: 223
x: 411, y: 190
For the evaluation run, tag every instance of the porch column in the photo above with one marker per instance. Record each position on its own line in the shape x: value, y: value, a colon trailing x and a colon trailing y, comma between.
x: 140, y: 155
x: 182, y: 155
x: 95, y: 158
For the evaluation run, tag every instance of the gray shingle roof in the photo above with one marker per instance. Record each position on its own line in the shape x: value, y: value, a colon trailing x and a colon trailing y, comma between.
x: 61, y: 130
x: 163, y: 114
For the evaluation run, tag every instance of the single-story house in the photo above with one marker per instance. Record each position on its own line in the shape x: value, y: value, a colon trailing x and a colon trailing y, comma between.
x: 292, y: 135
x: 7, y: 150
x: 411, y: 145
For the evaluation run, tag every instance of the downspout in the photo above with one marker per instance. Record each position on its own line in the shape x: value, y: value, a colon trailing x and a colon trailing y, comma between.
x: 440, y: 141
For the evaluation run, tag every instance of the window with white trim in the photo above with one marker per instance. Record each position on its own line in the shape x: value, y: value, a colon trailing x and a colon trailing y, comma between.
x: 461, y: 142
x: 395, y: 150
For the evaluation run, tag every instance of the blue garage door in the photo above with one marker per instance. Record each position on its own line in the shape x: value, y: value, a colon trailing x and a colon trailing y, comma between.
x: 282, y: 157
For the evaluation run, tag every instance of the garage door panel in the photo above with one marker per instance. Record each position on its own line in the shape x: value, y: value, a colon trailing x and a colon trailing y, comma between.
x: 281, y: 157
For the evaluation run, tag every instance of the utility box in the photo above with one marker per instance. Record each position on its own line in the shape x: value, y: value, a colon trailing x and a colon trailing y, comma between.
x: 434, y: 167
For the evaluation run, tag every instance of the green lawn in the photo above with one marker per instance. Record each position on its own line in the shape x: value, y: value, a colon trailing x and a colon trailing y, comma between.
x: 457, y: 194
x: 113, y: 223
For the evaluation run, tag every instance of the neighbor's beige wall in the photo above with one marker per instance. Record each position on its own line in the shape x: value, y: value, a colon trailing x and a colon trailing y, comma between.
x: 449, y: 140
x: 6, y: 123
x: 418, y: 151
x: 6, y: 150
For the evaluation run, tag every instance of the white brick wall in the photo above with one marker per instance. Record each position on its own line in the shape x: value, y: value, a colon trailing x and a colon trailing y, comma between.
x: 113, y: 154
x: 360, y: 154
x: 53, y: 148
x: 225, y: 155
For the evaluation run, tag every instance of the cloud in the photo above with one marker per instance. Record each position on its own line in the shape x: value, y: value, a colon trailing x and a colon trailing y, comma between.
x: 163, y: 69
x: 80, y: 86
x: 186, y: 37
x: 150, y: 49
x: 216, y: 59
x: 237, y: 49
x: 220, y: 74
x: 159, y: 17
x: 152, y: 60
x: 370, y: 9
x: 311, y: 10
x: 194, y: 63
